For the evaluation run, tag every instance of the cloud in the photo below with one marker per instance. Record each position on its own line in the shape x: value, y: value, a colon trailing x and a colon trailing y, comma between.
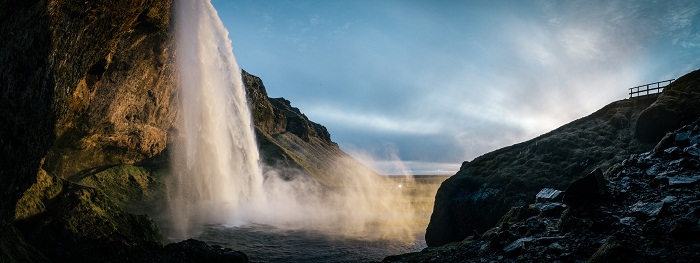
x: 451, y: 81
x: 374, y: 121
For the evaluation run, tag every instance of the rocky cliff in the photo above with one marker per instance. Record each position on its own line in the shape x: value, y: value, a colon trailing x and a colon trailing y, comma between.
x: 85, y: 86
x: 61, y: 66
x: 645, y: 209
x: 483, y: 190
x: 88, y: 108
x: 288, y: 139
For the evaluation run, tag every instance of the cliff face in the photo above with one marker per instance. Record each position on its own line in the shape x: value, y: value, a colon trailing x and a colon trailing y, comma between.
x: 120, y: 108
x: 288, y: 139
x: 78, y: 91
x: 84, y: 86
x: 88, y: 107
x: 484, y: 189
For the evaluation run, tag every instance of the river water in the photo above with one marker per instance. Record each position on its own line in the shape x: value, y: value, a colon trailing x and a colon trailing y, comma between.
x: 269, y: 244
x: 266, y: 243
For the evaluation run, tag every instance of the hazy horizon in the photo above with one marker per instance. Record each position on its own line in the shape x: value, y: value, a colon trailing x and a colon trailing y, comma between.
x: 442, y: 82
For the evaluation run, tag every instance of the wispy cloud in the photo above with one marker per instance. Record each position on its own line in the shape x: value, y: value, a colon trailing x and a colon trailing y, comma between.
x: 452, y: 80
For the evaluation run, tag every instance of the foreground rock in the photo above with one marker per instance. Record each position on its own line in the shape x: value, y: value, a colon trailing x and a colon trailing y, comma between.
x: 85, y: 87
x: 483, y: 190
x: 647, y: 209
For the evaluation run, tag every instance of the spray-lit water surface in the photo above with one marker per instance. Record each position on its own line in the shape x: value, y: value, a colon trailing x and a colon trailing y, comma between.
x: 267, y: 243
x: 264, y: 243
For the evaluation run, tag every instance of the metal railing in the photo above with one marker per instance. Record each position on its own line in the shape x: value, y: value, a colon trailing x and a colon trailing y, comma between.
x: 649, y: 88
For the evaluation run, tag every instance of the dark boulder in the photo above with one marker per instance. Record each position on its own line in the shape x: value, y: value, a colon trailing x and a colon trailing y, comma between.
x: 585, y: 191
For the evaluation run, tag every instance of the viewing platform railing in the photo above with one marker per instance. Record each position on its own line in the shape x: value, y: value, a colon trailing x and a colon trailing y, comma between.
x: 649, y: 88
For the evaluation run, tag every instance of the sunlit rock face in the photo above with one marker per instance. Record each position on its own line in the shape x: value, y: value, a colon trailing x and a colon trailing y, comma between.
x: 287, y: 138
x: 484, y: 189
x: 85, y: 85
x: 120, y: 105
x: 80, y: 92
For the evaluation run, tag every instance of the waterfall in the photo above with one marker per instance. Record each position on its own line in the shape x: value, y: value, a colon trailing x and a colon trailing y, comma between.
x: 215, y: 168
x: 216, y: 176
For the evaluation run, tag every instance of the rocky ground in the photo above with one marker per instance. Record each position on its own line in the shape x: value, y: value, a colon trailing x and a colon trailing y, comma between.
x: 644, y: 209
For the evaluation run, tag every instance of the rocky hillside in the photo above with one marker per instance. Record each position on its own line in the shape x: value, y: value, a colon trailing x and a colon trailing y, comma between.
x: 483, y: 190
x: 645, y: 209
x: 289, y: 140
x: 88, y: 108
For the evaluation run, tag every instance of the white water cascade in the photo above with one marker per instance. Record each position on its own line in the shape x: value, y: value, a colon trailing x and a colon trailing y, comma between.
x: 216, y: 169
x: 216, y: 175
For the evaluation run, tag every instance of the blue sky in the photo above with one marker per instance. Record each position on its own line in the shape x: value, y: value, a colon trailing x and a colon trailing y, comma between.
x: 434, y: 83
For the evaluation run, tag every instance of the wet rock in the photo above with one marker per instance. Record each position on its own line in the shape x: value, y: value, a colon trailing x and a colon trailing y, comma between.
x: 653, y: 170
x: 556, y: 247
x: 677, y: 181
x: 683, y: 136
x: 648, y: 209
x: 628, y: 220
x: 672, y: 151
x: 669, y: 199
x: 516, y: 246
x: 548, y: 195
x: 551, y: 209
x: 692, y: 150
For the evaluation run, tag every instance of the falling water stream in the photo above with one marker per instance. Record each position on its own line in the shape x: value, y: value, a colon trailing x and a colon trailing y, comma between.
x: 218, y: 191
x: 216, y: 171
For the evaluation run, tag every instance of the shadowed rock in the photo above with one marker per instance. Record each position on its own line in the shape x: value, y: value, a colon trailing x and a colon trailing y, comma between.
x: 587, y: 190
x: 560, y: 157
x: 639, y: 221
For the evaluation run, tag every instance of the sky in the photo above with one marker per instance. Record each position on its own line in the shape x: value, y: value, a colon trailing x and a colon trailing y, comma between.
x: 436, y: 83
